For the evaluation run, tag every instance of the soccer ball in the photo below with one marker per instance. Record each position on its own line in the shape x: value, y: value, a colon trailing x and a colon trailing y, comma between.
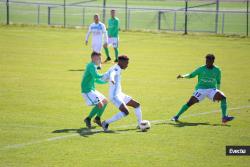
x: 144, y: 125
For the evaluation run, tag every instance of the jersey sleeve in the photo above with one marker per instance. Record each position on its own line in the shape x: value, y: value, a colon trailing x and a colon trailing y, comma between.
x: 88, y: 33
x: 99, y: 81
x: 112, y: 75
x: 93, y: 72
x: 218, y: 79
x: 193, y: 74
x: 104, y: 31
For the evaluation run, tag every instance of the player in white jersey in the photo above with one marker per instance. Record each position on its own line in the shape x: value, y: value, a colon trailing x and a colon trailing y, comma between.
x: 98, y: 30
x: 117, y: 97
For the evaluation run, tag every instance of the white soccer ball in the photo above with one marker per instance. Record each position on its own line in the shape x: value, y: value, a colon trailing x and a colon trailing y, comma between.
x: 145, y: 125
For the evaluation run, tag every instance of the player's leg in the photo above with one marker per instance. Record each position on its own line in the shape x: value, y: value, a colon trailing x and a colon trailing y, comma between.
x: 101, y: 108
x: 97, y: 110
x: 90, y: 102
x: 137, y: 107
x: 117, y: 101
x: 123, y: 112
x: 198, y: 96
x: 184, y: 108
x: 219, y: 96
x: 115, y: 46
x: 92, y: 113
x: 99, y: 102
x: 132, y: 103
x: 105, y: 46
x: 116, y: 54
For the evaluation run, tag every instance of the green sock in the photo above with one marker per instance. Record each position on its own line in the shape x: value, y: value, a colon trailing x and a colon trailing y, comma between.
x: 116, y: 53
x: 101, y: 110
x: 106, y: 52
x: 93, y: 112
x: 223, y: 105
x: 182, y: 110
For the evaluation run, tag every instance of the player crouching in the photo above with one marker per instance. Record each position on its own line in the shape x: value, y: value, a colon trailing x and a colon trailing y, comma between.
x: 92, y: 96
x: 209, y: 79
x: 117, y: 97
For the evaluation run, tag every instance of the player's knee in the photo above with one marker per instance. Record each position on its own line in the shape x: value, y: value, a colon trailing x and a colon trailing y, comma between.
x: 137, y: 104
x: 223, y: 98
x: 105, y: 101
x: 219, y: 97
x: 100, y: 105
x: 125, y: 112
x: 189, y: 104
x: 124, y: 109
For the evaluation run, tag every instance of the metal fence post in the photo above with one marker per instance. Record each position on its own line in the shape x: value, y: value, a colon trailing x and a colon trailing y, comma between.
x: 64, y: 13
x: 126, y: 14
x: 223, y: 21
x: 83, y: 16
x: 159, y: 20
x: 186, y: 20
x: 247, y: 15
x: 104, y: 11
x: 48, y: 15
x: 174, y: 21
x: 217, y: 16
x: 7, y: 12
x: 128, y: 19
x: 38, y: 14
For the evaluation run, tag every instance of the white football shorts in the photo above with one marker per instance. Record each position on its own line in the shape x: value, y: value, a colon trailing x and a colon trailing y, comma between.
x: 113, y: 41
x: 97, y: 46
x: 200, y: 94
x: 120, y: 99
x: 93, y: 97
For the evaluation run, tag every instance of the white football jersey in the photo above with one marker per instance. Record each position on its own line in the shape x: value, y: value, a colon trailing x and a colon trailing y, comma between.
x: 114, y: 74
x: 98, y: 30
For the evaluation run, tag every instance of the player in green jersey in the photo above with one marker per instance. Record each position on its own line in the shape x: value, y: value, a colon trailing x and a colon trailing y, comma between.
x: 209, y: 79
x: 113, y: 38
x: 90, y: 94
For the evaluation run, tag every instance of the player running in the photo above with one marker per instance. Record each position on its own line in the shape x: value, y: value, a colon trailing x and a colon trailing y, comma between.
x: 209, y: 79
x: 113, y: 39
x: 92, y: 96
x: 117, y: 97
x: 98, y: 30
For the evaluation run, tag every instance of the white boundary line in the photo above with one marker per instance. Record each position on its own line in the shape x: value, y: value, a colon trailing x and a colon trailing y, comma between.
x: 22, y: 145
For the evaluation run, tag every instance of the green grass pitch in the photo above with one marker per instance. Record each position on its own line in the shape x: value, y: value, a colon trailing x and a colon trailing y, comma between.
x: 40, y: 75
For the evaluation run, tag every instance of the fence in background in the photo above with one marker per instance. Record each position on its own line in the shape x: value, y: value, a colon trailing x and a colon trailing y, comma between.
x: 186, y: 19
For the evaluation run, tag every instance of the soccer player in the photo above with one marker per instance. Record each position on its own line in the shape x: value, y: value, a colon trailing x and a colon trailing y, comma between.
x: 117, y: 97
x: 113, y: 31
x: 98, y: 30
x: 90, y: 94
x: 209, y: 79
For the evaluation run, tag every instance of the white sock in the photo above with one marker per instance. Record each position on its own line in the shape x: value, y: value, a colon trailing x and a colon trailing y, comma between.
x: 116, y: 117
x: 138, y: 114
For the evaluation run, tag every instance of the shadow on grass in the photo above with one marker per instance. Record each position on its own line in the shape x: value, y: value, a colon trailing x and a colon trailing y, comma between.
x: 181, y: 124
x: 76, y: 70
x: 86, y: 132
